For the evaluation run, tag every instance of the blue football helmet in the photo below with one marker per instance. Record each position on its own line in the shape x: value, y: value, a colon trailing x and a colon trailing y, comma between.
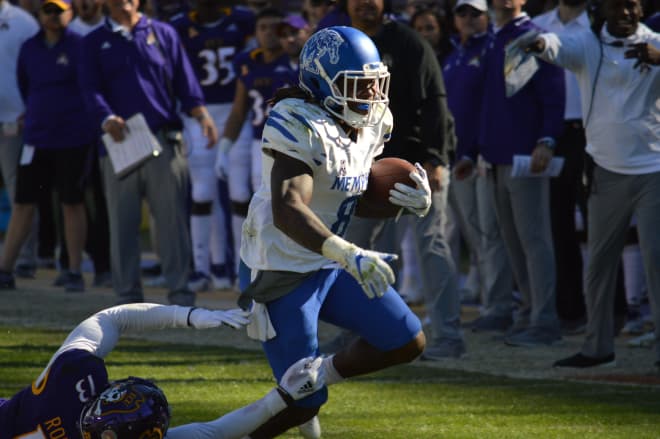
x: 133, y: 408
x: 336, y: 65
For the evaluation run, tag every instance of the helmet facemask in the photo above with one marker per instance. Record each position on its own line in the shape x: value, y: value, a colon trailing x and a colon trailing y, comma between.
x: 350, y: 101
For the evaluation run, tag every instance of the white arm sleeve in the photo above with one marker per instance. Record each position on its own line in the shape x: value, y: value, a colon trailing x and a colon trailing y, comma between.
x: 233, y: 425
x: 99, y: 333
x: 566, y: 49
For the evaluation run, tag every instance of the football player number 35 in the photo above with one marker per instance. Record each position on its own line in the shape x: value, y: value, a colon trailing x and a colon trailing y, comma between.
x: 218, y: 65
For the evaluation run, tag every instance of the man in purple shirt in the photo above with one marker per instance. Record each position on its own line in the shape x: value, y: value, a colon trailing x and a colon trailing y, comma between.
x: 133, y: 64
x: 56, y: 141
x: 471, y: 193
x: 526, y: 123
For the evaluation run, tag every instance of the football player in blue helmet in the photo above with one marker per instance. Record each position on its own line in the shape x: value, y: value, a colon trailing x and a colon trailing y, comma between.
x: 333, y: 63
x: 73, y: 397
x: 318, y: 144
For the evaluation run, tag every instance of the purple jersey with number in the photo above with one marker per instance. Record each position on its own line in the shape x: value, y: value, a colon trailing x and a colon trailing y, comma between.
x: 212, y: 47
x: 52, y: 409
x: 261, y: 80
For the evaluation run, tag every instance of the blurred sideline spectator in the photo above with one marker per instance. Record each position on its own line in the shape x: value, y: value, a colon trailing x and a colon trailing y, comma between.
x: 212, y: 37
x: 569, y: 16
x: 16, y: 26
x: 620, y: 104
x: 160, y: 74
x: 472, y: 193
x: 526, y: 123
x: 57, y: 138
x: 433, y: 27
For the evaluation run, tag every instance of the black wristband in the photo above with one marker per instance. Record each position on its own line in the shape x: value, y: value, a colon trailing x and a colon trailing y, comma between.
x: 285, y: 396
x: 189, y: 313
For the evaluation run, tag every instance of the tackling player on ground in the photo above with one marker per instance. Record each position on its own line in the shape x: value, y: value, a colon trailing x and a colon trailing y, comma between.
x: 319, y: 142
x: 72, y: 398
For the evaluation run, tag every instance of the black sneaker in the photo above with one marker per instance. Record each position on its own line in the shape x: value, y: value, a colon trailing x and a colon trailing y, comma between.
x: 7, y: 281
x: 491, y: 323
x: 74, y: 283
x: 152, y: 270
x: 25, y: 271
x: 582, y: 361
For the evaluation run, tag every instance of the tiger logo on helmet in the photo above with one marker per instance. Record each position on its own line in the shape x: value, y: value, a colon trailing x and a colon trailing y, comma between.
x: 334, y: 63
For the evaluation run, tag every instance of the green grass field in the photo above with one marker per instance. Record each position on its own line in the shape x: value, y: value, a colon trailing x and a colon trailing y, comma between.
x: 404, y: 402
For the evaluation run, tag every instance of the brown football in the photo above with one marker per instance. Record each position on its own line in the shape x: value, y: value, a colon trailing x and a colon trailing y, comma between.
x: 384, y: 173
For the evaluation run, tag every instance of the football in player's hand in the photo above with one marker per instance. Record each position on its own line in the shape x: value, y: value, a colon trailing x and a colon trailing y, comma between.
x: 384, y: 173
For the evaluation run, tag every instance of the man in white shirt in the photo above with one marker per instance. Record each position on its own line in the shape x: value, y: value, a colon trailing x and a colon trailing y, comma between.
x: 89, y: 16
x: 16, y: 26
x: 568, y: 16
x: 617, y: 71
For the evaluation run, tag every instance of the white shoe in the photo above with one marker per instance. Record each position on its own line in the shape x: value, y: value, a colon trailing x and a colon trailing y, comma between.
x: 311, y: 429
x: 221, y: 283
x: 198, y: 282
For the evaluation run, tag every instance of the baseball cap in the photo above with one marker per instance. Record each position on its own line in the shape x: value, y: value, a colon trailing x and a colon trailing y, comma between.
x: 479, y: 5
x: 294, y: 21
x: 62, y: 4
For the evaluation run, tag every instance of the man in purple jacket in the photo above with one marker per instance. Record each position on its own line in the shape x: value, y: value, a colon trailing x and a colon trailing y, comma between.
x: 56, y: 141
x: 133, y: 64
x: 526, y: 123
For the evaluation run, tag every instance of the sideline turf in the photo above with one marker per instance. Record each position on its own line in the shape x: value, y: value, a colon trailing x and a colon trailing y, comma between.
x: 404, y: 402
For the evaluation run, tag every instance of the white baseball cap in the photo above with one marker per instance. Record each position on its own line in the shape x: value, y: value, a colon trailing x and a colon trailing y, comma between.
x: 479, y: 5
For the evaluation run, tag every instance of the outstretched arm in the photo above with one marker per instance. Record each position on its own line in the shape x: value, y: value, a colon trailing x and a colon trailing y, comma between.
x: 99, y: 333
x: 301, y: 379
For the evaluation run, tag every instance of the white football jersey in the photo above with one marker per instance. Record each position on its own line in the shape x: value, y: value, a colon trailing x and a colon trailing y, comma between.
x: 340, y: 166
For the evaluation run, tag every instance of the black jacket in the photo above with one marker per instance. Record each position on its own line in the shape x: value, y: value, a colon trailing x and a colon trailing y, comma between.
x: 423, y: 125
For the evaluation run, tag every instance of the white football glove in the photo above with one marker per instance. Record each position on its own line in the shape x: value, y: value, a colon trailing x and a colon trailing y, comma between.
x: 368, y: 267
x: 201, y: 318
x: 222, y: 159
x: 303, y: 378
x: 417, y: 200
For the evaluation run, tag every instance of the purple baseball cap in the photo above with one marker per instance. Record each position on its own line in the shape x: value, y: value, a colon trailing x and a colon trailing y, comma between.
x: 295, y: 21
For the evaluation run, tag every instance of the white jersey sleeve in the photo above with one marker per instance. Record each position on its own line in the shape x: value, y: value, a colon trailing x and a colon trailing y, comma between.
x: 100, y: 333
x: 340, y: 168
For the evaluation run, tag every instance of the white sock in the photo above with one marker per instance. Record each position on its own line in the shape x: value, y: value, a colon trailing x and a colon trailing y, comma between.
x: 219, y: 233
x: 331, y: 374
x: 200, y: 233
x: 237, y: 230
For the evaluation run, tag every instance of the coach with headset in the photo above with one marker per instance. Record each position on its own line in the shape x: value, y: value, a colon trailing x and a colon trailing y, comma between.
x: 617, y: 70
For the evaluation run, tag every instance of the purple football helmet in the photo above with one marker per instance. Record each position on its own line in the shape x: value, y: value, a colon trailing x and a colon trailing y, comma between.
x: 127, y: 409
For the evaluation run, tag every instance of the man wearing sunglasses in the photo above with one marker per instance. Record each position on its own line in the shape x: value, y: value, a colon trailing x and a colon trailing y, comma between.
x: 56, y: 141
x: 472, y: 192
